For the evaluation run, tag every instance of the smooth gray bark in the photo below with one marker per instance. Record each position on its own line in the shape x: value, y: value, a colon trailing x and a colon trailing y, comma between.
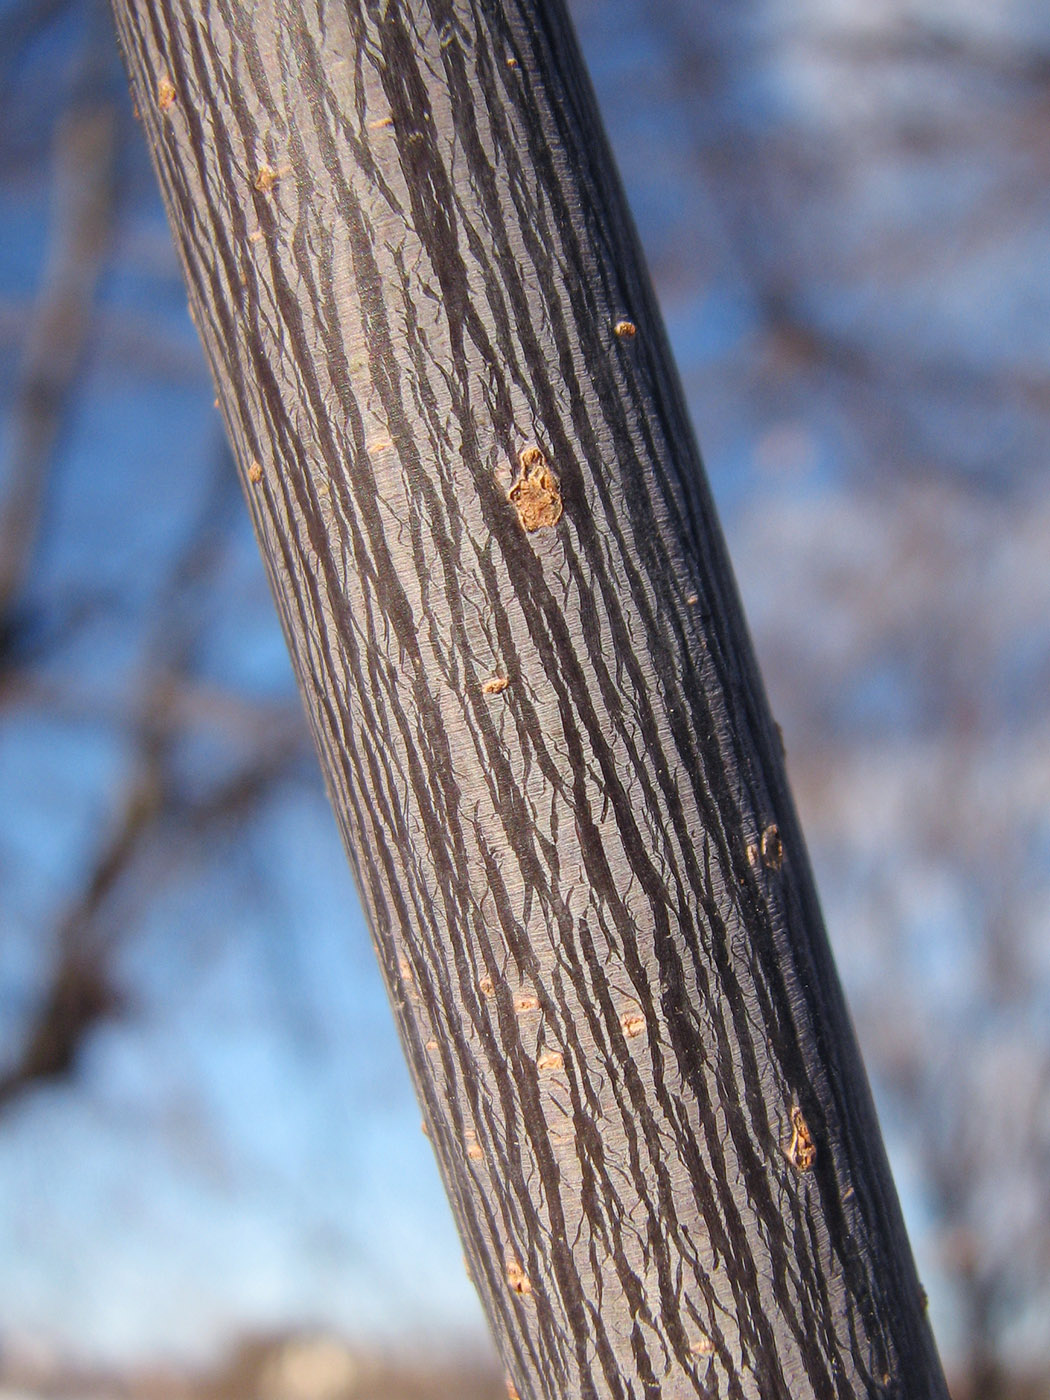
x: 519, y: 645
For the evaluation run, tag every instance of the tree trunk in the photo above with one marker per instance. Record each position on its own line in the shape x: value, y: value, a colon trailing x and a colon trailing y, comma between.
x: 518, y: 641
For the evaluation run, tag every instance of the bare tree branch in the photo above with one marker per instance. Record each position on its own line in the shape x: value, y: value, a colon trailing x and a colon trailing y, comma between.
x: 84, y: 148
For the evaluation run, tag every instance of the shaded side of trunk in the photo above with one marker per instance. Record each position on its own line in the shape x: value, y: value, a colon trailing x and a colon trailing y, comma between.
x: 517, y: 637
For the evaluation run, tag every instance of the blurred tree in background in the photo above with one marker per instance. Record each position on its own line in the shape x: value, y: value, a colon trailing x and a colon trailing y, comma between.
x: 206, y: 1134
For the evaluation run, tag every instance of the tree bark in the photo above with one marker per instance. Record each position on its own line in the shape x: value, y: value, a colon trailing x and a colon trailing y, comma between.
x: 516, y: 632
